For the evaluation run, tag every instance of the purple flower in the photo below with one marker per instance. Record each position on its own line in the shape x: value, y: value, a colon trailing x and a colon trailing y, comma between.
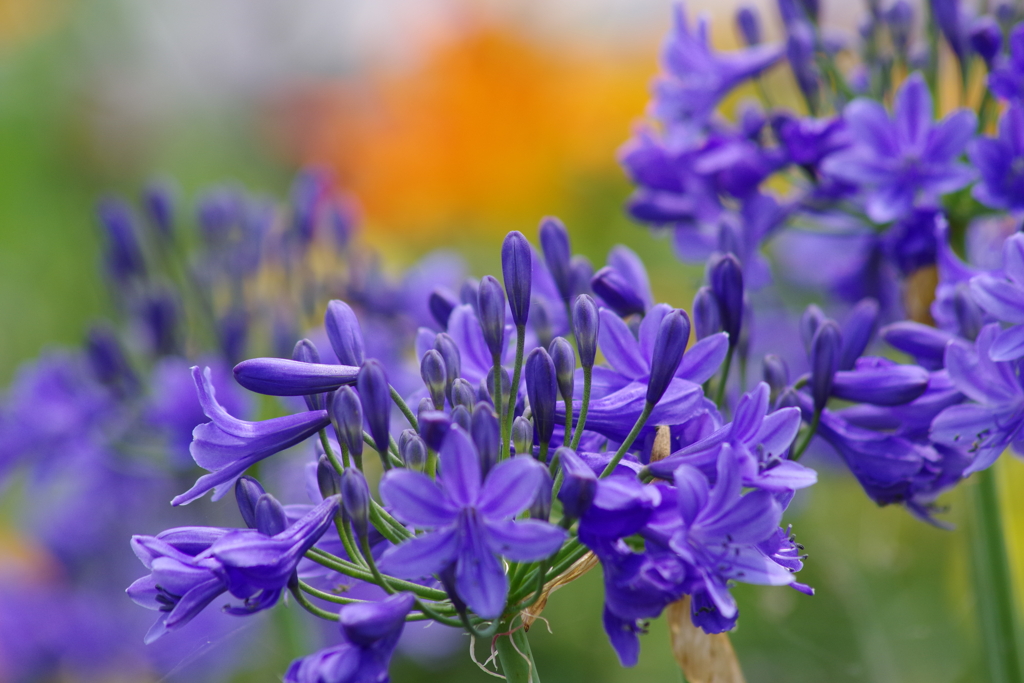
x: 369, y: 634
x: 1003, y: 298
x: 227, y: 446
x: 951, y: 22
x: 1000, y: 162
x: 1006, y: 80
x: 986, y: 427
x: 517, y: 270
x: 901, y: 160
x: 760, y: 441
x: 285, y: 377
x: 808, y: 140
x: 472, y: 522
x: 698, y: 78
x: 191, y: 566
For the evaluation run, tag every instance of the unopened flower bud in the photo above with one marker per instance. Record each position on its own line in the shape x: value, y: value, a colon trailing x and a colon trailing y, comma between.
x: 669, y: 345
x: 540, y: 508
x: 617, y: 293
x: 434, y: 376
x: 486, y: 434
x: 344, y: 333
x: 270, y: 516
x: 247, y: 493
x: 355, y: 500
x: 749, y: 24
x: 375, y: 395
x: 491, y: 304
x: 857, y: 331
x: 124, y: 259
x: 564, y: 358
x: 327, y: 478
x: 586, y: 324
x: 727, y: 284
x: 346, y: 413
x: 462, y: 417
x: 412, y: 449
x: 434, y: 427
x: 449, y: 351
x: 158, y: 200
x: 540, y: 318
x: 441, y: 303
x: 305, y: 351
x: 900, y: 19
x: 542, y: 390
x: 522, y: 435
x: 107, y: 359
x: 811, y: 319
x: 776, y: 373
x: 986, y: 38
x: 706, y: 317
x: 517, y: 270
x: 506, y: 386
x: 969, y: 316
x: 825, y: 350
x: 463, y: 394
x: 554, y: 241
x: 579, y: 483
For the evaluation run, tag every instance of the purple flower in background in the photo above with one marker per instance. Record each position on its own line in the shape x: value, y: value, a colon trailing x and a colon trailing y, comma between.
x: 951, y: 22
x: 369, y: 634
x: 191, y: 566
x: 1000, y: 163
x: 698, y: 78
x: 808, y: 140
x: 904, y: 159
x: 228, y: 446
x: 472, y: 522
x: 1006, y: 80
x: 1003, y: 298
x: 993, y: 422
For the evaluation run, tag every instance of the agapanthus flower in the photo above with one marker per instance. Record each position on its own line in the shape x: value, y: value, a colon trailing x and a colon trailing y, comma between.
x: 905, y: 159
x: 1003, y: 298
x: 1006, y: 80
x: 471, y: 519
x: 1000, y: 163
x: 369, y: 634
x: 191, y: 566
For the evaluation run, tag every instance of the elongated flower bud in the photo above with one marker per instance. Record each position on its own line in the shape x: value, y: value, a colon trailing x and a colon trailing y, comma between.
x: 986, y: 38
x: 270, y: 516
x: 413, y: 449
x: 449, y: 351
x: 564, y: 358
x: 857, y: 332
x: 441, y: 303
x: 727, y: 284
x: 579, y: 483
x: 305, y: 351
x: 517, y: 270
x: 161, y: 316
x: 811, y: 319
x: 247, y: 493
x: 491, y: 305
x: 434, y: 427
x: 463, y: 394
x: 825, y: 350
x: 346, y: 412
x: 434, y: 376
x: 355, y: 500
x: 776, y: 373
x: 540, y: 508
x: 554, y: 240
x: 900, y: 19
x: 124, y: 259
x: 969, y: 316
x: 158, y: 201
x: 375, y: 395
x: 617, y: 293
x: 749, y: 24
x: 107, y: 359
x: 540, y: 318
x: 505, y: 385
x: 285, y: 377
x: 586, y: 324
x: 327, y: 479
x: 462, y: 417
x: 673, y: 335
x: 486, y: 434
x: 542, y: 390
x: 706, y: 317
x: 522, y: 435
x: 343, y: 331
x: 582, y: 272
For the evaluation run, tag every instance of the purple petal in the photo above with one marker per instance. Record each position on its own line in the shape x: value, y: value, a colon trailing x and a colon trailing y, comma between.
x: 460, y: 468
x: 949, y: 138
x: 702, y: 360
x: 622, y: 634
x: 886, y: 385
x: 786, y: 476
x: 750, y: 412
x: 479, y: 578
x: 778, y: 431
x: 912, y: 112
x: 693, y: 489
x: 286, y: 377
x: 421, y: 556
x: 752, y: 519
x: 999, y: 297
x: 526, y: 540
x: 869, y: 123
x: 1013, y: 258
x: 649, y: 327
x: 510, y: 488
x: 416, y: 499
x: 620, y: 348
x: 625, y: 260
x: 1008, y: 345
x: 750, y: 565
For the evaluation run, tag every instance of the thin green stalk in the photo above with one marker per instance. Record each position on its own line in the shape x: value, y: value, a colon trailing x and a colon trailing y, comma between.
x: 517, y: 369
x: 404, y: 407
x: 640, y: 422
x: 337, y: 564
x: 387, y: 525
x: 720, y: 394
x: 378, y: 578
x: 515, y: 655
x: 310, y: 607
x: 993, y: 584
x: 498, y: 396
x: 329, y: 597
x: 542, y: 455
x: 567, y: 438
x: 338, y: 467
x: 588, y: 374
x: 811, y: 430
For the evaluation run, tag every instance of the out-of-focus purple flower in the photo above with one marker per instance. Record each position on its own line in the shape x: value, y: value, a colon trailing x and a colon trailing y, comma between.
x: 124, y: 259
x: 190, y: 567
x: 900, y: 160
x: 808, y: 140
x: 800, y: 54
x: 1003, y: 298
x: 369, y: 633
x: 158, y: 201
x: 900, y: 20
x: 228, y: 446
x: 1000, y: 163
x: 951, y: 22
x: 616, y: 292
x: 986, y: 38
x: 1006, y: 80
x: 707, y: 319
x: 471, y: 518
x: 924, y: 343
x: 749, y: 23
x: 910, y: 242
x: 697, y: 77
x: 554, y: 240
x: 564, y: 358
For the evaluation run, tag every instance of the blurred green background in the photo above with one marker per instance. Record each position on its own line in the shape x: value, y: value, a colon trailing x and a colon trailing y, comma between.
x: 99, y: 97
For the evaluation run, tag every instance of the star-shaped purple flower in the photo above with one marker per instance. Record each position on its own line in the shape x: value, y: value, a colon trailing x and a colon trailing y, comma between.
x: 1000, y: 162
x: 904, y: 159
x: 472, y: 522
x: 1006, y: 80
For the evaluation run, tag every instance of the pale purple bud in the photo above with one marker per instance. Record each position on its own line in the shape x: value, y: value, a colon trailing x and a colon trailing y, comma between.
x: 517, y: 270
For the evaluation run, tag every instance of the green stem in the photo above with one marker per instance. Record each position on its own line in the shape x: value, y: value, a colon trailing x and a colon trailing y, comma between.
x: 387, y: 525
x: 349, y: 569
x: 497, y: 394
x: 720, y: 394
x: 310, y: 607
x: 993, y: 584
x: 588, y: 374
x: 640, y: 422
x: 404, y: 407
x: 815, y: 421
x: 517, y: 369
x: 515, y: 655
x: 329, y: 597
